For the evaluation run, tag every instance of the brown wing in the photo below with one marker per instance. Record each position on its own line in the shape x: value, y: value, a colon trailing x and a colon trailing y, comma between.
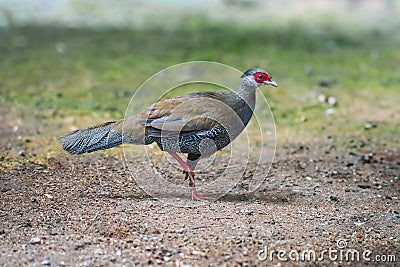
x: 196, y: 111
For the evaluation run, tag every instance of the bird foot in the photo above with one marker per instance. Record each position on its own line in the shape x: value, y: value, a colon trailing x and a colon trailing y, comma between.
x: 195, y: 196
x: 188, y: 174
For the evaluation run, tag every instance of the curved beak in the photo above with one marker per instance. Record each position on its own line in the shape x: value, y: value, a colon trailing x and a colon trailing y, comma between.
x: 271, y: 82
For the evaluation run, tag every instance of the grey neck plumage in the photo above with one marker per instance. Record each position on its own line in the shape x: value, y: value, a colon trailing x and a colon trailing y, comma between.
x: 245, y: 99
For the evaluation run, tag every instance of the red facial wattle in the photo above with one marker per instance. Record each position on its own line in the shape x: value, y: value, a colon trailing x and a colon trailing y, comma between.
x: 261, y: 77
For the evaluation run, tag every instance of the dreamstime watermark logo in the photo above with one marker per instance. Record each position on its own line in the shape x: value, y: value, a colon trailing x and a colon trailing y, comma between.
x: 339, y: 253
x: 158, y: 173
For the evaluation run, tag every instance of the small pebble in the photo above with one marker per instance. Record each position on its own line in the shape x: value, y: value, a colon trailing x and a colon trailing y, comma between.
x: 308, y: 178
x: 367, y: 158
x: 35, y: 240
x: 332, y: 100
x: 321, y: 98
x: 334, y: 199
x: 196, y: 252
x: 369, y: 125
x: 45, y: 262
x: 364, y: 186
x: 325, y: 83
x: 359, y: 223
x: 49, y: 196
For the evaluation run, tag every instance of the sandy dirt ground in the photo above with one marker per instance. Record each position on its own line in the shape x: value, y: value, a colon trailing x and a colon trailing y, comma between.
x: 319, y: 205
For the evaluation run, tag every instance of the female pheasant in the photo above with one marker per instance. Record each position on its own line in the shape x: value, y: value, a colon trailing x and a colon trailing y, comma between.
x: 198, y: 124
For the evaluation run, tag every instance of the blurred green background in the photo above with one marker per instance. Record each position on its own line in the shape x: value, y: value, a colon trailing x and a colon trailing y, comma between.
x: 69, y: 63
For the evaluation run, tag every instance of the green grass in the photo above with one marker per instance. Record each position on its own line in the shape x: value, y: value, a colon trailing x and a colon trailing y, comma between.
x: 54, y: 72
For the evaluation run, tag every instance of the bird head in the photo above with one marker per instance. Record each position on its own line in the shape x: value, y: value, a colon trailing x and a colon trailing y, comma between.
x: 258, y: 77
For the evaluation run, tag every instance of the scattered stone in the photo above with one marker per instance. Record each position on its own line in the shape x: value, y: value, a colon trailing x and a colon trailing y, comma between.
x: 367, y: 158
x: 332, y: 100
x: 196, y: 252
x: 326, y: 84
x: 35, y: 240
x: 368, y: 126
x: 166, y: 252
x: 303, y: 118
x: 49, y: 196
x: 46, y: 262
x: 364, y: 186
x: 79, y: 246
x: 98, y: 251
x: 334, y: 199
x: 321, y: 98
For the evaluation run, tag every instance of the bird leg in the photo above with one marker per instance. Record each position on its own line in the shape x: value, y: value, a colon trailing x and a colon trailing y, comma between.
x: 190, y: 174
x: 192, y: 160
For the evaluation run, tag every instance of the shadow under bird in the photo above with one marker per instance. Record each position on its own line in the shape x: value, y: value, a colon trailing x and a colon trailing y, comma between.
x: 198, y: 124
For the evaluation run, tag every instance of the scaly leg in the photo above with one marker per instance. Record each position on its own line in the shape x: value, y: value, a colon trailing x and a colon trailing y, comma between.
x: 192, y: 160
x: 190, y: 173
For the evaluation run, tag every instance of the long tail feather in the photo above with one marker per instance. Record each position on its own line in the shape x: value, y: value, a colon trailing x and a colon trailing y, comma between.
x: 93, y: 138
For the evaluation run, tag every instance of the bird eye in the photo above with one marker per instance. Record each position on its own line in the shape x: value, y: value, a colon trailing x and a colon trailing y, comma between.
x: 260, y: 77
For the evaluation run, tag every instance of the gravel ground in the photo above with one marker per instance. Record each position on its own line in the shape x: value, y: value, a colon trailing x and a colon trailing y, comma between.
x: 89, y: 211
